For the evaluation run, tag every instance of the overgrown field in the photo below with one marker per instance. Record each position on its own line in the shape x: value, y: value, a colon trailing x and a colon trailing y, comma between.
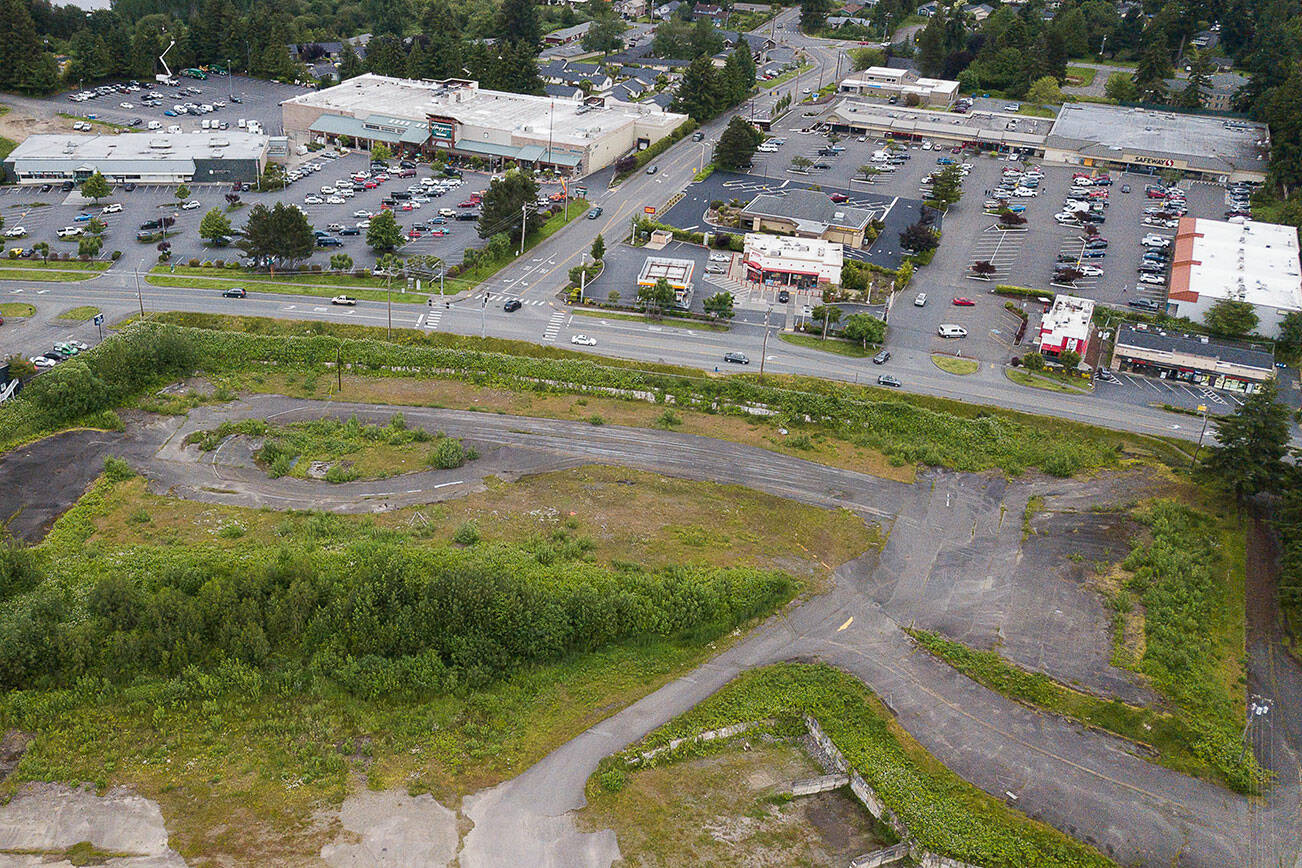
x: 1185, y: 586
x: 943, y: 812
x: 907, y: 429
x: 244, y: 666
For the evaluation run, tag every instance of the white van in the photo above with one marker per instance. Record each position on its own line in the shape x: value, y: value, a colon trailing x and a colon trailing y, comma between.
x: 174, y: 130
x: 952, y: 331
x: 242, y: 123
x: 155, y: 125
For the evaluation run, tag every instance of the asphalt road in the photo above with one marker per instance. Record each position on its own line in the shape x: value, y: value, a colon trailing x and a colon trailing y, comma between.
x: 946, y: 524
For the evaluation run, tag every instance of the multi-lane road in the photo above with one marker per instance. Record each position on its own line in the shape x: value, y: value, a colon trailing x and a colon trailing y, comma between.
x: 537, y: 278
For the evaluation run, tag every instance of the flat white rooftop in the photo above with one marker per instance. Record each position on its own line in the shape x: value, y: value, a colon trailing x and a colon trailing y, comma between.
x: 1250, y: 261
x: 1069, y: 317
x: 565, y: 121
x: 1199, y: 140
x: 786, y: 247
x: 141, y: 146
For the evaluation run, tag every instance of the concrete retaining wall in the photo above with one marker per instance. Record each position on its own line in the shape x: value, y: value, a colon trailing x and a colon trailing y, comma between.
x: 708, y: 735
x: 809, y: 786
x: 878, y: 858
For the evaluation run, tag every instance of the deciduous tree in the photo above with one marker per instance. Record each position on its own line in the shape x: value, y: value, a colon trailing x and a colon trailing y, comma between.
x: 214, y: 225
x: 384, y: 235
x: 95, y: 187
x: 1233, y: 318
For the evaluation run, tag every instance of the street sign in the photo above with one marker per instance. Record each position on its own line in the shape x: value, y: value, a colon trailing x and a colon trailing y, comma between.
x: 580, y: 192
x: 99, y: 319
x: 649, y: 209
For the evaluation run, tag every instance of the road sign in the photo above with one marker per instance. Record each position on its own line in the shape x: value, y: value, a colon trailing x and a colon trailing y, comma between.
x: 580, y: 192
x: 649, y: 209
x: 99, y: 319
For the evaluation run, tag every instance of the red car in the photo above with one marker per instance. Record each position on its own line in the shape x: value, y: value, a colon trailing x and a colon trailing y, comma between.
x: 962, y: 301
x: 415, y: 233
x: 467, y: 204
x: 839, y: 197
x: 370, y: 185
x: 405, y: 206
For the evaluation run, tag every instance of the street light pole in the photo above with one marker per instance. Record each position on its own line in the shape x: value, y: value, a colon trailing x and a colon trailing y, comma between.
x: 140, y: 298
x: 764, y: 347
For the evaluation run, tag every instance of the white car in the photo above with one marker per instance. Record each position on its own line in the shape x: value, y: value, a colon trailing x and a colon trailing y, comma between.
x: 155, y: 125
x: 364, y: 224
x: 313, y: 200
x: 111, y: 209
x: 16, y: 232
x: 126, y: 105
x: 69, y: 231
x: 335, y: 227
x: 920, y: 300
x: 720, y: 257
x: 328, y: 190
x: 1153, y: 279
x: 583, y: 341
x: 42, y: 362
x: 344, y: 300
x: 1090, y: 270
x: 335, y: 200
x: 191, y: 205
x: 362, y: 212
x: 1152, y: 240
x: 447, y: 212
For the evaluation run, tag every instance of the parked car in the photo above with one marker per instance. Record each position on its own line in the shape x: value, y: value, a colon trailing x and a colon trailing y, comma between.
x: 882, y: 357
x: 963, y: 301
x: 235, y: 292
x: 1153, y: 279
x: 920, y: 299
x: 949, y: 330
x: 1144, y: 304
x: 111, y: 209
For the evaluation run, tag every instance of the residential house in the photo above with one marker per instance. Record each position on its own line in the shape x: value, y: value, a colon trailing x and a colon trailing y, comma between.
x: 566, y: 35
x: 666, y: 11
x: 1219, y: 93
x: 563, y: 91
x: 978, y: 11
x: 926, y: 10
x: 712, y: 12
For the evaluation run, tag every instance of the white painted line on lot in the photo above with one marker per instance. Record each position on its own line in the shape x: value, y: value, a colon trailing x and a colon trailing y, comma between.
x: 848, y: 622
x: 446, y: 484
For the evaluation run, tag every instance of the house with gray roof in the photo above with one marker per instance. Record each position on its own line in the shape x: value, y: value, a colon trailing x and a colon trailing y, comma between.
x: 806, y: 214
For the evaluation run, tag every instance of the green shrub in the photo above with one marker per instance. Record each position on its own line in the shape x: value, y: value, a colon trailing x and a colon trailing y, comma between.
x: 448, y: 454
x: 467, y: 534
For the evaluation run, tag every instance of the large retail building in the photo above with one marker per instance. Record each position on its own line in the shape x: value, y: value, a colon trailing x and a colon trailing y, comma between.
x: 458, y: 116
x: 1116, y: 138
x: 146, y: 158
x: 1246, y: 261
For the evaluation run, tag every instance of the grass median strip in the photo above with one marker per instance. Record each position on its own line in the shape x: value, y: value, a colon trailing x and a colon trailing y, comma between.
x: 81, y: 313
x: 286, y: 288
x: 16, y: 308
x: 672, y: 322
x: 953, y: 365
x: 1026, y: 378
x: 838, y: 346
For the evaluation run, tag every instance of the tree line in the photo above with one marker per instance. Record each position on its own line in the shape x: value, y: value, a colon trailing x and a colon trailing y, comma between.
x: 374, y: 614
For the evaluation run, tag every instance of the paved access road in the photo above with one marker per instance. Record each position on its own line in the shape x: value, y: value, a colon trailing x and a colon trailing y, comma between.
x: 951, y: 562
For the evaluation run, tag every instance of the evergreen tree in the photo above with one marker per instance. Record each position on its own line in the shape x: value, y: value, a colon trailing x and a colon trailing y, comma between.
x: 20, y: 48
x: 1151, y: 73
x: 739, y: 73
x: 384, y: 235
x: 517, y: 22
x: 1251, y: 444
x: 506, y: 203
x: 698, y: 91
x: 813, y: 15
x: 737, y: 144
x: 280, y: 234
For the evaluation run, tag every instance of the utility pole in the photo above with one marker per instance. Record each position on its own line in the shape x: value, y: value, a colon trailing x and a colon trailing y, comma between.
x: 1202, y: 408
x: 524, y: 223
x: 483, y: 310
x: 764, y: 347
x: 583, y: 275
x: 140, y: 298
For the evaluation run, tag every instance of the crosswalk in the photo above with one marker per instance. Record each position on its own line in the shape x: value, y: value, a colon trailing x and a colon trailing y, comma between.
x: 499, y: 296
x: 554, y: 326
x: 432, y: 319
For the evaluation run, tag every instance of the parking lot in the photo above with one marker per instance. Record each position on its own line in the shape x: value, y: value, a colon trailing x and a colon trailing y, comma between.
x: 258, y: 100
x: 43, y: 214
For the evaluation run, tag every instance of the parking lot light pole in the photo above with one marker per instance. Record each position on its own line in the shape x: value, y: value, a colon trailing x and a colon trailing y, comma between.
x: 140, y: 298
x: 1202, y: 408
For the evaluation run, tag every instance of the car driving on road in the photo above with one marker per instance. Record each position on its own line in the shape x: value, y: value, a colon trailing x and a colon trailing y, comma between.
x: 344, y: 300
x: 583, y: 341
x: 736, y: 358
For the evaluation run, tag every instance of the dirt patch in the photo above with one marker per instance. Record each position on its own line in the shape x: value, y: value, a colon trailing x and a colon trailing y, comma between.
x: 12, y: 747
x: 18, y: 124
x: 391, y: 828
x: 1262, y: 601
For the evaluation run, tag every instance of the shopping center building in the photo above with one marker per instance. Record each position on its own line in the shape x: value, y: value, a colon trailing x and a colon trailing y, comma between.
x: 461, y: 118
x: 144, y: 158
x: 1112, y: 138
x: 1194, y: 359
